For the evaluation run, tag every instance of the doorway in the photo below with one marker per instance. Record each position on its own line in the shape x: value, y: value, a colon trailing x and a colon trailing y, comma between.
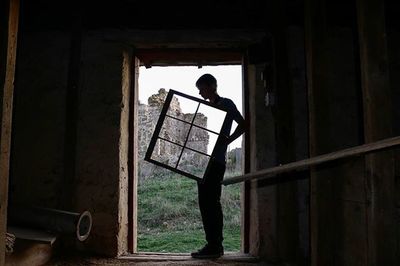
x: 167, y: 217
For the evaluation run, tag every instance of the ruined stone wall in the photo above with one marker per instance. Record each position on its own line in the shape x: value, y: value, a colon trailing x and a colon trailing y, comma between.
x: 173, y: 130
x: 234, y: 161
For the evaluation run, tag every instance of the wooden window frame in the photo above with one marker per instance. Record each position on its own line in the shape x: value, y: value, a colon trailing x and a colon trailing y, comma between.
x: 160, y: 122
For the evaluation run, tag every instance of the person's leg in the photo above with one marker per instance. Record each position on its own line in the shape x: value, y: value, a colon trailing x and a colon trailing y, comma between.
x: 204, y: 206
x: 211, y: 211
x: 213, y: 215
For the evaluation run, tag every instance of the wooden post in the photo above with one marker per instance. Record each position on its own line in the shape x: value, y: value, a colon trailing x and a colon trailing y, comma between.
x: 321, y: 229
x: 287, y: 219
x: 8, y: 47
x: 246, y: 187
x: 380, y: 177
x: 133, y: 76
x: 262, y: 216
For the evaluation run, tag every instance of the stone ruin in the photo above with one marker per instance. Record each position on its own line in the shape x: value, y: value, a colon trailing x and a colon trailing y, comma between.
x: 165, y: 152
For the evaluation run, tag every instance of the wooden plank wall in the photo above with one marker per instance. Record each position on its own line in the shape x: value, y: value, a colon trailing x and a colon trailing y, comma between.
x: 352, y: 201
x: 337, y: 204
x: 380, y: 171
x: 315, y: 29
x: 8, y: 48
x: 287, y: 213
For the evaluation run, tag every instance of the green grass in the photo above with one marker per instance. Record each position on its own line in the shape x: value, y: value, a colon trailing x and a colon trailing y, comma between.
x: 169, y: 218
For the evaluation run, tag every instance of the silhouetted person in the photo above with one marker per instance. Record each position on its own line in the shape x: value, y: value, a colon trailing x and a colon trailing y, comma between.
x: 210, y: 189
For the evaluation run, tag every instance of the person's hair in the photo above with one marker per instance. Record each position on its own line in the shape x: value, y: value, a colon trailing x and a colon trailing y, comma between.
x: 208, y: 80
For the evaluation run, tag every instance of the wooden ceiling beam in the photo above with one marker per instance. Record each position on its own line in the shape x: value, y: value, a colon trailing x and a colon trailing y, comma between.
x: 196, y: 57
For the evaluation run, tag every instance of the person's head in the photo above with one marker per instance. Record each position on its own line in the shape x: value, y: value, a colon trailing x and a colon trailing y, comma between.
x: 207, y: 85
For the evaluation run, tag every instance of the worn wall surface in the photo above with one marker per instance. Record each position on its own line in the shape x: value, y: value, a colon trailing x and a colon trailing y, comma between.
x: 101, y: 184
x: 39, y: 118
x: 102, y: 143
x: 338, y: 199
x: 297, y: 75
x: 339, y: 206
x: 263, y: 201
x: 393, y: 42
x: 265, y: 211
x: 394, y: 68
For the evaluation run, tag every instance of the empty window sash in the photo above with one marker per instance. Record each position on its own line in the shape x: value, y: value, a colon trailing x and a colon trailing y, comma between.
x: 182, y: 142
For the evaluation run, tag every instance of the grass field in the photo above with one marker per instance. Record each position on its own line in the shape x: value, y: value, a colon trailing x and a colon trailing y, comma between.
x: 169, y: 218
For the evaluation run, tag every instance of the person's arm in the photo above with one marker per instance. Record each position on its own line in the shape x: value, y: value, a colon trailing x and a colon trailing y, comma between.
x: 240, y: 129
x: 235, y: 115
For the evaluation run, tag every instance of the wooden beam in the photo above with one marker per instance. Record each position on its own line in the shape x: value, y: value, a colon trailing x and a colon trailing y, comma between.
x: 196, y: 57
x: 9, y: 45
x: 133, y: 170
x: 246, y: 187
x: 36, y: 235
x: 184, y: 39
x: 304, y: 164
x: 149, y: 257
x: 380, y: 176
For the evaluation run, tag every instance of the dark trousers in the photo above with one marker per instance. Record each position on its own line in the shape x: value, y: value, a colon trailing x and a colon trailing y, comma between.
x: 210, y: 204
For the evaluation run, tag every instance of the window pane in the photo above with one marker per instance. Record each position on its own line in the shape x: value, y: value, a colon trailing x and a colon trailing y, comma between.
x: 182, y: 107
x: 198, y: 137
x: 193, y: 163
x: 166, y: 153
x: 174, y: 130
x: 215, y: 117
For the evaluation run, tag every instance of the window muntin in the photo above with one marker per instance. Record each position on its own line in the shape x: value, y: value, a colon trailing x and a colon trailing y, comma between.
x: 182, y: 144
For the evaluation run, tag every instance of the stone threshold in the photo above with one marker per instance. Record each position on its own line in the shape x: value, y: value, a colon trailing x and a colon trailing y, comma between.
x: 157, y: 256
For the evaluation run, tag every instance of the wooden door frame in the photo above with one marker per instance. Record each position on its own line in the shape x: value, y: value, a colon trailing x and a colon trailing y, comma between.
x: 164, y: 57
x: 8, y: 47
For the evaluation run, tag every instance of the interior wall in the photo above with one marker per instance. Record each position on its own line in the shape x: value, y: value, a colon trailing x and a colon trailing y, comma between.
x: 378, y: 125
x: 339, y: 201
x: 39, y: 119
x: 262, y: 235
x: 338, y: 190
x: 102, y: 138
x: 268, y: 211
x: 393, y: 40
x: 100, y: 185
x: 297, y: 75
x: 99, y: 181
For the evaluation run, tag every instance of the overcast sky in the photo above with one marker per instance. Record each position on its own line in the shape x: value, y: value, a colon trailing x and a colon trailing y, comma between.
x: 183, y: 79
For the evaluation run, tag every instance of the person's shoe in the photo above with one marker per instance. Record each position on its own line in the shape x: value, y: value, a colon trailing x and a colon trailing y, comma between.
x: 208, y: 252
